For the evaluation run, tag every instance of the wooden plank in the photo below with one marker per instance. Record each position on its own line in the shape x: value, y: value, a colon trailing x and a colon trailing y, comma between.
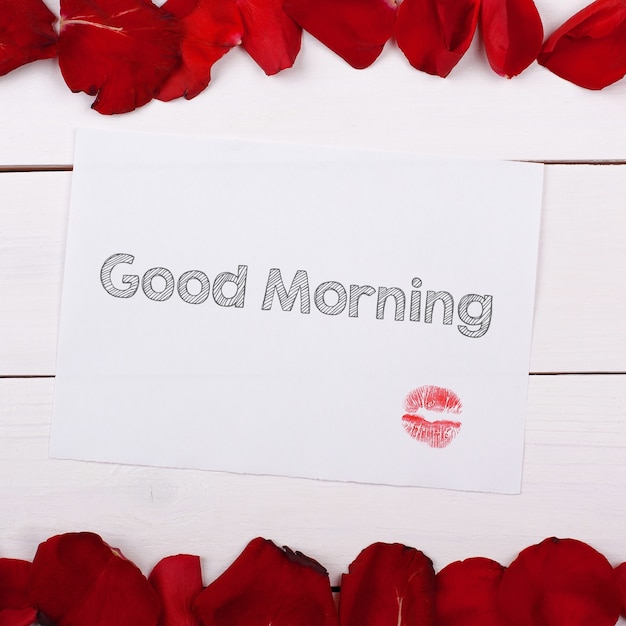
x: 579, y: 307
x: 32, y: 247
x: 574, y: 473
x: 323, y: 100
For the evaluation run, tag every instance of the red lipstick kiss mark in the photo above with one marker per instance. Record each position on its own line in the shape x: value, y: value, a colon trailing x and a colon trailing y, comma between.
x: 437, y: 434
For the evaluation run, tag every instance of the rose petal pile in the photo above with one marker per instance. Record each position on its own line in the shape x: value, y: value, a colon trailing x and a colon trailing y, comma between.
x: 77, y: 578
x: 128, y: 52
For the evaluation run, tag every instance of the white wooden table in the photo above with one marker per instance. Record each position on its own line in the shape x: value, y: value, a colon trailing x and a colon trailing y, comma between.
x: 575, y: 456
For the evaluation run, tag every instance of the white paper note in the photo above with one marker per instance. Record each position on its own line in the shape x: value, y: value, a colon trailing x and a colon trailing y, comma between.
x: 295, y: 310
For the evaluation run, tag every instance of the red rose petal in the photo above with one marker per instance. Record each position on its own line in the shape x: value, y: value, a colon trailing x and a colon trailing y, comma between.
x: 18, y: 617
x: 78, y: 579
x: 388, y: 584
x: 121, y: 596
x: 64, y: 568
x: 210, y: 28
x: 270, y: 36
x: 26, y: 33
x: 589, y: 49
x: 14, y: 581
x: 466, y: 593
x: 435, y: 34
x: 620, y: 573
x: 560, y: 582
x: 121, y: 51
x: 177, y: 581
x: 15, y: 609
x: 267, y: 585
x: 356, y: 30
x: 512, y: 33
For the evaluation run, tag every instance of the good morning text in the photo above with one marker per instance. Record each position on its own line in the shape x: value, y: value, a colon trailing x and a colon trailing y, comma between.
x: 331, y: 298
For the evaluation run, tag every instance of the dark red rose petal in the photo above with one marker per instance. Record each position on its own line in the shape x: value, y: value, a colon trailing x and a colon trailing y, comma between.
x: 356, y: 30
x: 270, y: 36
x: 177, y: 581
x: 64, y: 569
x: 121, y: 596
x: 78, y: 579
x: 15, y: 609
x: 589, y: 49
x: 560, y: 582
x: 120, y: 51
x: 14, y: 581
x: 620, y: 573
x: 466, y: 593
x: 18, y: 617
x: 435, y: 34
x: 26, y: 33
x: 267, y: 585
x: 210, y: 28
x: 388, y: 584
x: 512, y: 33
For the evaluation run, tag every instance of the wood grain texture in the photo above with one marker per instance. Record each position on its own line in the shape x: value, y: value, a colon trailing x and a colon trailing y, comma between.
x: 579, y: 312
x: 574, y: 473
x: 32, y: 246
